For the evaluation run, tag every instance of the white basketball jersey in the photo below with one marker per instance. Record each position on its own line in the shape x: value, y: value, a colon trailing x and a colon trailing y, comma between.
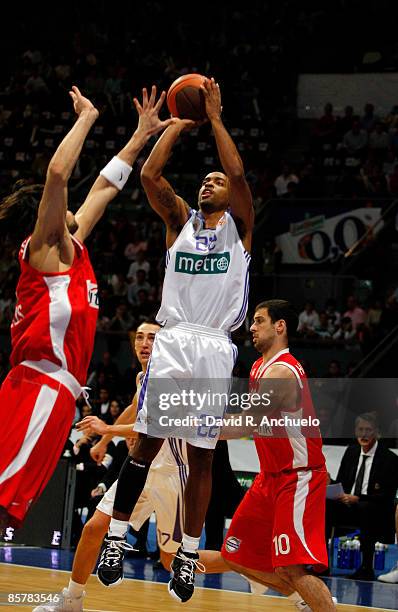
x: 173, y: 453
x: 207, y: 276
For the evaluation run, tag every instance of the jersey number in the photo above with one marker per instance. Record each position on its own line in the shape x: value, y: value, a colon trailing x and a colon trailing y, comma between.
x: 206, y: 243
x: 282, y: 544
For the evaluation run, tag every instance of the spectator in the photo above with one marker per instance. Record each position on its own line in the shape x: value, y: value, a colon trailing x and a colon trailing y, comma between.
x: 355, y: 140
x: 344, y: 124
x: 282, y: 181
x: 369, y: 119
x: 325, y: 128
x: 374, y: 315
x: 379, y: 140
x: 324, y: 329
x: 333, y: 314
x: 122, y: 321
x: 141, y: 283
x: 355, y: 312
x: 103, y: 402
x: 347, y: 334
x: 308, y: 320
x: 109, y: 369
x: 133, y: 248
x: 113, y: 412
x: 145, y: 307
x: 119, y: 284
x: 369, y: 475
x: 334, y: 369
x: 140, y: 263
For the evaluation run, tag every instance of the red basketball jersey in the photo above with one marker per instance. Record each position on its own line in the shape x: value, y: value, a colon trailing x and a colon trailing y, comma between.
x: 56, y: 314
x: 291, y: 446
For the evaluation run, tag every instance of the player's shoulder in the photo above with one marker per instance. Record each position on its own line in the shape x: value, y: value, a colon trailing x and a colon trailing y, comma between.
x: 139, y: 378
x: 23, y: 248
x: 290, y: 360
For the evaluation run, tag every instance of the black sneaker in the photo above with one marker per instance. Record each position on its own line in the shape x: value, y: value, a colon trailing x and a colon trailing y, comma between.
x: 181, y: 586
x: 110, y: 566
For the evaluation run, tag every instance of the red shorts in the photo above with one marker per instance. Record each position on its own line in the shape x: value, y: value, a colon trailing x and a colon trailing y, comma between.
x: 36, y: 415
x: 280, y: 522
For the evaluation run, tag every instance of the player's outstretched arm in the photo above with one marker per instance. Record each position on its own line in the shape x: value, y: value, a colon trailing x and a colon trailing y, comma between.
x: 240, y: 198
x: 114, y: 176
x: 50, y: 230
x: 162, y: 197
x: 127, y: 417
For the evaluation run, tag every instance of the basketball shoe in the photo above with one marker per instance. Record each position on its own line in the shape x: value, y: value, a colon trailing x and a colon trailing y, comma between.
x: 110, y: 566
x: 181, y: 586
x: 66, y: 603
x: 391, y: 576
x: 303, y: 607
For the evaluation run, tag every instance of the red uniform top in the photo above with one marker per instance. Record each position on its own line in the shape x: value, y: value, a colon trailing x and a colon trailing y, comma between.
x: 56, y: 314
x: 291, y: 445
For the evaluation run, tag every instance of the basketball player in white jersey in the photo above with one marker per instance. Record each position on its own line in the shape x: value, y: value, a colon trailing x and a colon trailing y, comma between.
x: 204, y: 298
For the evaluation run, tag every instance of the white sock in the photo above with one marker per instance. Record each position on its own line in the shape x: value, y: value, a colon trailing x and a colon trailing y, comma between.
x: 118, y: 528
x: 295, y: 597
x: 189, y: 544
x: 75, y: 589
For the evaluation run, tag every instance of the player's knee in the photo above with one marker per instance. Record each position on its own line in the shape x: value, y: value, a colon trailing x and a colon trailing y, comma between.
x: 287, y: 573
x: 95, y: 528
x: 145, y: 449
x: 200, y: 459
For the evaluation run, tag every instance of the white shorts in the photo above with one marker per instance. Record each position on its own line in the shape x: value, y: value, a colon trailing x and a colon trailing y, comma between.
x: 194, y: 360
x: 163, y: 494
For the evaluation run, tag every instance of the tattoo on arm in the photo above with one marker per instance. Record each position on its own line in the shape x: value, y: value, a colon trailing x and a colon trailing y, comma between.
x: 166, y: 197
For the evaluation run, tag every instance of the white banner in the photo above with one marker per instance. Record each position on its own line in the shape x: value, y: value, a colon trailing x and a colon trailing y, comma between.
x: 315, y: 90
x: 319, y: 239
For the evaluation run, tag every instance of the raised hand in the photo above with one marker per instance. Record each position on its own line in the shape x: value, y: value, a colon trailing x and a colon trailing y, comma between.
x: 148, y: 113
x: 212, y: 95
x: 80, y: 103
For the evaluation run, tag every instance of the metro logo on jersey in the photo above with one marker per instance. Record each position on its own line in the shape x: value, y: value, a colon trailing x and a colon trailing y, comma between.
x: 190, y: 263
x: 92, y: 294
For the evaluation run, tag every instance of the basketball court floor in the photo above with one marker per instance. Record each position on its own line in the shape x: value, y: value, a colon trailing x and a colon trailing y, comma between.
x: 43, y: 570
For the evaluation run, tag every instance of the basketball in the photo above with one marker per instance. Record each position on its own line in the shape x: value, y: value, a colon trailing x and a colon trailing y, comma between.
x: 185, y: 98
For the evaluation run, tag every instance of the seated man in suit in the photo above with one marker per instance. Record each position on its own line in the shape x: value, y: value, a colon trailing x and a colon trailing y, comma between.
x: 369, y: 475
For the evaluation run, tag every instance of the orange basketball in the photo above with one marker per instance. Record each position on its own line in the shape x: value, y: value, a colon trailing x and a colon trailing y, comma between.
x: 185, y: 98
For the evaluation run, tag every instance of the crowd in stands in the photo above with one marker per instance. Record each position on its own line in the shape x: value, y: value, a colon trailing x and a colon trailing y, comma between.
x: 354, y: 155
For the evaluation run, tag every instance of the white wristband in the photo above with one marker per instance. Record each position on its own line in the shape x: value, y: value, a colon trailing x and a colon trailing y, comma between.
x: 116, y: 172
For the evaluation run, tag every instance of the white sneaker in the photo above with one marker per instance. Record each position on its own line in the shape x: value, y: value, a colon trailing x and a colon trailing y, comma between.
x: 391, y: 576
x: 66, y: 603
x: 303, y: 607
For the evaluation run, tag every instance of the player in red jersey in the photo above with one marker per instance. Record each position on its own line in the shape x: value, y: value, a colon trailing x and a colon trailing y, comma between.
x: 53, y: 329
x: 279, y: 527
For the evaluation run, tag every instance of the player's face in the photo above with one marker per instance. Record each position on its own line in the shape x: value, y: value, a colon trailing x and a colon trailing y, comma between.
x: 71, y: 222
x: 143, y: 343
x: 214, y: 193
x: 263, y: 330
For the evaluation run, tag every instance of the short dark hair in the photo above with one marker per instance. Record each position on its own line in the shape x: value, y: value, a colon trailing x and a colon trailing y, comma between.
x: 18, y: 211
x: 281, y: 309
x: 149, y: 321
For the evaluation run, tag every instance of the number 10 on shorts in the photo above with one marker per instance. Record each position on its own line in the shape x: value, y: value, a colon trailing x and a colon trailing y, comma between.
x: 282, y: 544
